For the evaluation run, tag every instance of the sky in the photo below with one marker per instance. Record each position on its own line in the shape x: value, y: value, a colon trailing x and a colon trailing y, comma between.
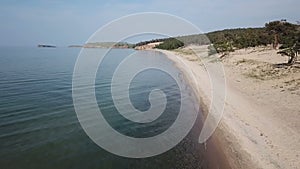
x: 66, y: 22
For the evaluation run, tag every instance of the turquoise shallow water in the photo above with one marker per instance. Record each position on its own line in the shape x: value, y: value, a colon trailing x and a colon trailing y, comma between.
x: 38, y: 123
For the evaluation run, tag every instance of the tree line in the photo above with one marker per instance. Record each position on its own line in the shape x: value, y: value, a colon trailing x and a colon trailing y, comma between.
x: 281, y: 34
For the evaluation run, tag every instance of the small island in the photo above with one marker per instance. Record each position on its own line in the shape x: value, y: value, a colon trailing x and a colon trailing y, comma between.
x: 46, y: 46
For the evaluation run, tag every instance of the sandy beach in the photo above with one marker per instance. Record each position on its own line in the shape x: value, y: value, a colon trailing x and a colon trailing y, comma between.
x: 260, y: 126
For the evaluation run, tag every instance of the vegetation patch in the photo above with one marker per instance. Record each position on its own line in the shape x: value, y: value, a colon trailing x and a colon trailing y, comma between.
x: 170, y: 44
x: 265, y: 71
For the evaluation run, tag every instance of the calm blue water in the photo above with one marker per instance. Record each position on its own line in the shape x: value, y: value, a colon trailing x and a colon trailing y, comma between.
x: 39, y: 127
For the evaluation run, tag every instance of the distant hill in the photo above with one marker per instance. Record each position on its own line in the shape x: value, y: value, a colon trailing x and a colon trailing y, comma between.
x: 229, y: 39
x: 108, y: 45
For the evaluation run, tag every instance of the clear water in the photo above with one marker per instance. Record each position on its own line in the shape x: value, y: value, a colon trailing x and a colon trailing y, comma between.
x: 38, y: 123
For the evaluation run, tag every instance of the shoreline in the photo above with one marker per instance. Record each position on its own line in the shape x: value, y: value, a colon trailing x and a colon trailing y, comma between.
x: 251, y: 133
x: 215, y: 154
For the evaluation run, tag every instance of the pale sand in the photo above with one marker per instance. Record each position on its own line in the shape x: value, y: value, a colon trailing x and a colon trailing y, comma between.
x: 260, y: 127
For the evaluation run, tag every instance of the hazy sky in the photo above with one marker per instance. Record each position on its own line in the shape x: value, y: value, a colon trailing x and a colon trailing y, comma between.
x: 29, y: 22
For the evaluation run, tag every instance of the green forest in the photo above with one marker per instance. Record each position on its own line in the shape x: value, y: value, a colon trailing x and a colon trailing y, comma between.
x: 281, y: 34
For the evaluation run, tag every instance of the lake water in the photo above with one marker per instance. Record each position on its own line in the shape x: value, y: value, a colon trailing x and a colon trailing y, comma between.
x: 39, y: 127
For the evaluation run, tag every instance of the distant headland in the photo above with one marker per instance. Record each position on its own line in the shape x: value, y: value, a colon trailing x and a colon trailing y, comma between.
x: 122, y: 45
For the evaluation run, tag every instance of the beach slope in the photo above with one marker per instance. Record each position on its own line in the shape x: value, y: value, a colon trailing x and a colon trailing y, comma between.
x: 260, y: 126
